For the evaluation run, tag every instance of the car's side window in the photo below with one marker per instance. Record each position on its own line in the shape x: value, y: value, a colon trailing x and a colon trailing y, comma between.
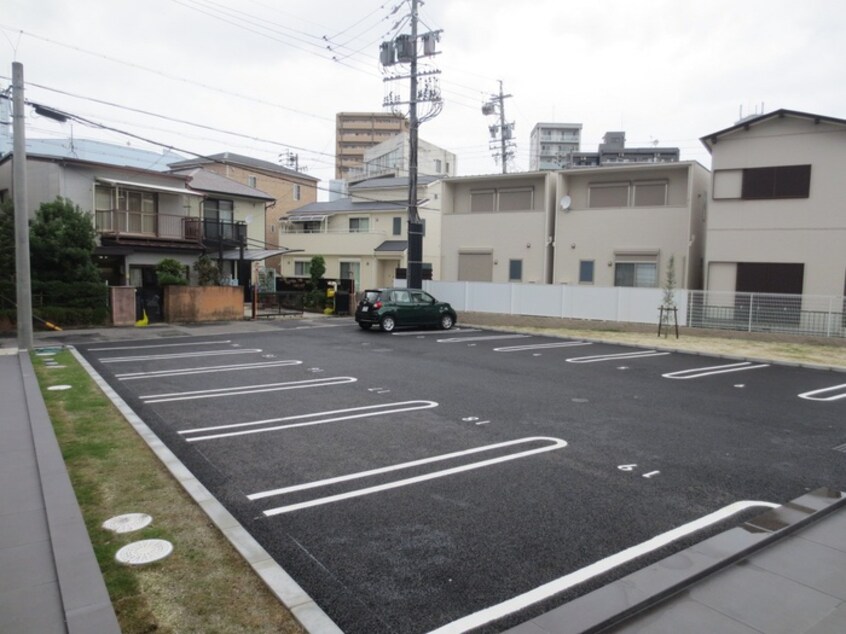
x: 401, y: 297
x: 420, y: 297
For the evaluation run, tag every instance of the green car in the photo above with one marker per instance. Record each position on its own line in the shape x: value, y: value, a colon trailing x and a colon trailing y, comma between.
x: 391, y: 308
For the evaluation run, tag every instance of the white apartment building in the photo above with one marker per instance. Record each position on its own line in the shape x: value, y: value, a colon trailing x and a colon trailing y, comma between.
x: 392, y: 157
x: 551, y: 144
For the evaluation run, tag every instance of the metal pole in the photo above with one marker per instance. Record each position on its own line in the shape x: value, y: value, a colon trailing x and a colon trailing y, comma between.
x: 22, y: 272
x: 415, y: 228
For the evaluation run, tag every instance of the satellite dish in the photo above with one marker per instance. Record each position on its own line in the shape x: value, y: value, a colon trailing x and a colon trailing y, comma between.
x: 565, y: 203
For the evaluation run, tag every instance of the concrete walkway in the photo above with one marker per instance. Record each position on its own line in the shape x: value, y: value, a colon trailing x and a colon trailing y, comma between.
x: 49, y: 578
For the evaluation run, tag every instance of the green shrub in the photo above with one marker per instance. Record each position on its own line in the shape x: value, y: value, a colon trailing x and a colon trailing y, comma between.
x: 170, y: 272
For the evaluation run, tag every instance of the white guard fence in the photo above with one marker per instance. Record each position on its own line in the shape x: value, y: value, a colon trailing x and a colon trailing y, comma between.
x: 820, y: 316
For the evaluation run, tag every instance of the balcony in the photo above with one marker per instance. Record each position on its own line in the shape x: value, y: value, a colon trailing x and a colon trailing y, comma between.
x: 138, y: 225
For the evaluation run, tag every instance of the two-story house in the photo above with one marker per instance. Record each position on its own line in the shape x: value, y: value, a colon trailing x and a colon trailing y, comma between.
x: 777, y: 217
x: 364, y: 236
x: 604, y: 226
x: 143, y: 216
x: 288, y: 188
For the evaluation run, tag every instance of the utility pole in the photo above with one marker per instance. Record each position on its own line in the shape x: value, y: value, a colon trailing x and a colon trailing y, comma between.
x: 22, y: 271
x: 501, y: 133
x: 403, y: 49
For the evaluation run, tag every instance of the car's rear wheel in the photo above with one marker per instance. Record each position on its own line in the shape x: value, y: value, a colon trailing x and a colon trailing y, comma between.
x: 387, y: 324
x: 364, y: 325
x: 447, y: 321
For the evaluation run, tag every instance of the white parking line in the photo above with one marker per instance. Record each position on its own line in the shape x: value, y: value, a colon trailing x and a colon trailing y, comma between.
x: 415, y: 333
x: 487, y: 338
x: 543, y: 346
x: 695, y: 373
x: 161, y: 345
x: 180, y: 355
x: 246, y: 389
x: 361, y: 412
x: 566, y: 582
x: 643, y: 354
x: 155, y: 374
x: 556, y: 443
x: 813, y: 394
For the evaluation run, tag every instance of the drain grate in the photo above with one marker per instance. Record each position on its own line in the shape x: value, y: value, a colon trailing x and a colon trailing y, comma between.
x: 841, y: 448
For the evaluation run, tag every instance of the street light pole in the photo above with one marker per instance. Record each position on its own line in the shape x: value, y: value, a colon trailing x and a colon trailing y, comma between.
x: 22, y: 270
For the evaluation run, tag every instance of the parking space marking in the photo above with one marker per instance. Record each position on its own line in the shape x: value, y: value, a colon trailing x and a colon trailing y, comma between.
x: 487, y: 615
x: 415, y: 333
x: 155, y: 374
x: 555, y: 443
x: 346, y: 414
x: 544, y: 346
x: 180, y: 355
x: 161, y: 345
x: 246, y: 389
x: 487, y: 338
x: 643, y: 354
x: 813, y: 395
x: 695, y: 373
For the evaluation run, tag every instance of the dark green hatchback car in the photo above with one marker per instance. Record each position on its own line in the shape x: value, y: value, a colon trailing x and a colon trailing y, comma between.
x: 391, y: 308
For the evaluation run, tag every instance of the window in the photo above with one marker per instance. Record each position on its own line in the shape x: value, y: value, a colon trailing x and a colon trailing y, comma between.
x: 608, y: 195
x: 516, y: 199
x: 586, y: 271
x: 351, y: 271
x: 251, y: 181
x: 482, y: 200
x: 216, y: 209
x: 397, y: 226
x: 359, y: 225
x: 650, y: 194
x: 785, y: 181
x: 302, y: 268
x: 297, y: 192
x: 437, y: 166
x: 515, y: 270
x: 312, y: 226
x: 636, y: 274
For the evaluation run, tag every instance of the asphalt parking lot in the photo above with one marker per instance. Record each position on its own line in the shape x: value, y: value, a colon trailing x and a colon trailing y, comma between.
x: 431, y: 480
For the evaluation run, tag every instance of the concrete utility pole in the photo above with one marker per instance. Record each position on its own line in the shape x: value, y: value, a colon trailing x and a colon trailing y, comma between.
x: 501, y: 133
x: 22, y: 272
x: 404, y: 50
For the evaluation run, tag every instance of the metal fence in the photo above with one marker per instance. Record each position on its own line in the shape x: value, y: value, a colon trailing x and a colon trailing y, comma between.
x: 279, y: 303
x: 820, y: 316
x: 815, y: 315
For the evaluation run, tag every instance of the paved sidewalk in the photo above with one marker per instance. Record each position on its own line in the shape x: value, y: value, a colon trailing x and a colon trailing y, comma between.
x: 49, y: 578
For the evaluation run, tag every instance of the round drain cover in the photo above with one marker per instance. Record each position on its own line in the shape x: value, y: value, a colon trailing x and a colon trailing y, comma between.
x: 144, y: 552
x: 127, y: 523
x: 58, y: 388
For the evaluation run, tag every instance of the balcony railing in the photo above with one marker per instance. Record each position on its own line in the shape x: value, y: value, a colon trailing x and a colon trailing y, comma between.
x: 137, y: 224
x: 120, y: 223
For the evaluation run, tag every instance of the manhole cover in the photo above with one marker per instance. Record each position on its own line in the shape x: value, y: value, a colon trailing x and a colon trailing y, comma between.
x: 58, y: 388
x: 127, y: 523
x: 144, y: 552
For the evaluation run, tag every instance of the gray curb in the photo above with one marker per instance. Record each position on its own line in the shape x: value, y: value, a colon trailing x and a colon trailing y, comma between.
x: 280, y: 583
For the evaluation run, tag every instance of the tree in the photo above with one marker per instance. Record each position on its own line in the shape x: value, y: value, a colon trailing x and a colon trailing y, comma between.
x: 170, y: 272
x: 316, y: 270
x: 207, y: 272
x: 61, y: 244
x: 7, y: 242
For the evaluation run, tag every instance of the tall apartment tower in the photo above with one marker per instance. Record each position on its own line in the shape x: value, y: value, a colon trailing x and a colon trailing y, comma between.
x: 357, y: 131
x: 552, y: 144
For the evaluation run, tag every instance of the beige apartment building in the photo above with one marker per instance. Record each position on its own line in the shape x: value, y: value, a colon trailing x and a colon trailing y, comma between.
x: 777, y: 216
x: 607, y: 226
x: 364, y: 236
x: 357, y: 131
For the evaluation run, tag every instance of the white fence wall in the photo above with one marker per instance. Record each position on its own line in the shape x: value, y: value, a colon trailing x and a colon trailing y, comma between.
x: 639, y: 305
x: 751, y: 312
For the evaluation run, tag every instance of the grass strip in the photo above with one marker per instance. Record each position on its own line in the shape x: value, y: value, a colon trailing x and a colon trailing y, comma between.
x: 204, y: 586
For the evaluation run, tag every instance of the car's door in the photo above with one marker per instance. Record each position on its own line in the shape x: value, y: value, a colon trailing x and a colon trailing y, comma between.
x: 406, y: 313
x: 425, y: 307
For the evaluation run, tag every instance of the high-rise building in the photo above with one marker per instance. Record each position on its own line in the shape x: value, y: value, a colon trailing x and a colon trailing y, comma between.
x: 552, y: 144
x: 357, y: 131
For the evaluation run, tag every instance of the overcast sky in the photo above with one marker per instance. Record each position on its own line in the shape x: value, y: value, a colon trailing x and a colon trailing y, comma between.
x: 664, y: 71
